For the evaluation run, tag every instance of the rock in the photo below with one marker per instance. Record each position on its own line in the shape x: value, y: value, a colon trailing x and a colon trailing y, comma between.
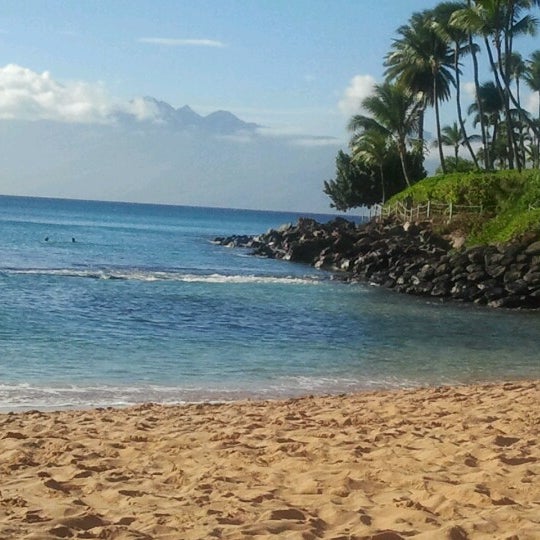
x: 506, y: 302
x: 476, y: 255
x: 306, y: 251
x: 518, y: 287
x: 477, y: 276
x: 408, y: 258
x: 494, y: 293
x: 441, y: 289
x: 532, y: 278
x: 512, y: 275
x: 533, y: 249
x: 495, y: 270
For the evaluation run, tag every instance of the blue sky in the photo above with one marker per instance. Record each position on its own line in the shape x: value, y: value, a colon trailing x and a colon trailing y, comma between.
x: 297, y: 67
x: 283, y: 63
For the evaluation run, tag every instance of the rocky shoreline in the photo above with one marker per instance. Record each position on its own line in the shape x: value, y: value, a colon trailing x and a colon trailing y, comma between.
x: 408, y: 258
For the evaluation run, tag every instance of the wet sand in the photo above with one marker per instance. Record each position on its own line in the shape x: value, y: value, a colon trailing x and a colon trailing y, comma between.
x: 452, y: 462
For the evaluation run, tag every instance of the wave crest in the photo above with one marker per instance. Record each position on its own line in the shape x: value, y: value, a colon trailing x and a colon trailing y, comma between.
x: 146, y: 275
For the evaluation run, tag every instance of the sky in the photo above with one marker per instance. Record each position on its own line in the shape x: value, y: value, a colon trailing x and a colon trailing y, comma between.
x: 296, y: 67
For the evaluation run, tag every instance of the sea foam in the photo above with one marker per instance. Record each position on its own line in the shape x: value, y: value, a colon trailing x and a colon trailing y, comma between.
x: 146, y: 275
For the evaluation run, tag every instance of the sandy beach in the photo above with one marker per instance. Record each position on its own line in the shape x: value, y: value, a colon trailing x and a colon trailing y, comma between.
x: 451, y: 462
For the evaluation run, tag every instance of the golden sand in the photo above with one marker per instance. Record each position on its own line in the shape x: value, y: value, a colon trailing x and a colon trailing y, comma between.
x: 451, y: 462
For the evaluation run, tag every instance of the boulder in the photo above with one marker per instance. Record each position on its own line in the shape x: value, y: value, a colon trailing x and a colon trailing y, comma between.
x: 533, y: 249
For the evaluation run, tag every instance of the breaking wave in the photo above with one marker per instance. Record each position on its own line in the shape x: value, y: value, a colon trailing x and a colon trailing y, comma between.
x: 146, y: 275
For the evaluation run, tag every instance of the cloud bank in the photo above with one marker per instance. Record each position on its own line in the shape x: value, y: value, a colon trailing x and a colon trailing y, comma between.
x: 173, y: 42
x: 27, y: 95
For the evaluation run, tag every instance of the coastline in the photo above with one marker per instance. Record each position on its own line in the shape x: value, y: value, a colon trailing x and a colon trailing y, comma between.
x: 447, y: 462
x: 409, y: 258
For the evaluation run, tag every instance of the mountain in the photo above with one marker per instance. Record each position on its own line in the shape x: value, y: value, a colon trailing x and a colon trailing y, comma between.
x: 159, y: 113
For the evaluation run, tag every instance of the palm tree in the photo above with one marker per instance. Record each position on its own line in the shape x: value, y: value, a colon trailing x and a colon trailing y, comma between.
x: 459, y: 40
x: 371, y: 147
x: 491, y: 106
x: 453, y: 135
x: 515, y: 68
x: 532, y: 79
x: 394, y: 113
x: 422, y: 61
x: 498, y: 22
x: 460, y: 20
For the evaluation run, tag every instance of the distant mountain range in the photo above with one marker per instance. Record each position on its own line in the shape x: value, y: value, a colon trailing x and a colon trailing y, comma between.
x: 185, y: 118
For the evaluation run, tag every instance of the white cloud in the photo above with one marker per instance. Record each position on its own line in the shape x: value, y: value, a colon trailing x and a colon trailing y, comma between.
x: 27, y: 95
x: 469, y: 90
x: 315, y: 141
x: 297, y: 136
x: 531, y: 103
x: 359, y: 88
x: 142, y: 109
x: 173, y: 42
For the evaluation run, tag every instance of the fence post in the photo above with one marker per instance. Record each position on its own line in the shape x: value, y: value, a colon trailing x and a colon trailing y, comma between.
x: 450, y: 208
x: 428, y: 208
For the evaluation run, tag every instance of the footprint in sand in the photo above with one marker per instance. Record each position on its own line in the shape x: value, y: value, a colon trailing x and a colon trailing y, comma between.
x: 131, y: 492
x: 517, y: 460
x: 287, y: 513
x: 500, y: 440
x: 56, y: 486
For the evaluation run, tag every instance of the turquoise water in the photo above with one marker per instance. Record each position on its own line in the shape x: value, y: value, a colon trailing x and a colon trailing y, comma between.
x: 144, y: 307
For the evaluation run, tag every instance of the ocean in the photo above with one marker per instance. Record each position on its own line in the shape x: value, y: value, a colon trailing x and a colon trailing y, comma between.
x: 110, y: 304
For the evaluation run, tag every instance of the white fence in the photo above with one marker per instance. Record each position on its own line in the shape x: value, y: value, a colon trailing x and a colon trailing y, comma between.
x: 427, y: 211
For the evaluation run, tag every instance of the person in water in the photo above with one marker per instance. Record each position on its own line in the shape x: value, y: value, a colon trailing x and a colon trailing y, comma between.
x: 73, y: 240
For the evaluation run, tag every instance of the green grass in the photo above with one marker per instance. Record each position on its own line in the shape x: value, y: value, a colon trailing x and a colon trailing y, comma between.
x: 505, y: 195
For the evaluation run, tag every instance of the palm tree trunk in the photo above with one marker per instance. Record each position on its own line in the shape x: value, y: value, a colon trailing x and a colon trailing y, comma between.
x: 402, y: 152
x: 504, y: 98
x: 459, y: 111
x: 538, y: 135
x: 421, y: 117
x: 382, y: 183
x: 479, y: 103
x: 508, y: 45
x: 494, y: 138
x: 438, y: 122
x: 535, y: 129
x: 521, y: 135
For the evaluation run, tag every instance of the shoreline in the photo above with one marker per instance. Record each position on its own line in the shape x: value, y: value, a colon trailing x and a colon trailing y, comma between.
x: 226, y: 397
x: 408, y: 258
x: 434, y: 462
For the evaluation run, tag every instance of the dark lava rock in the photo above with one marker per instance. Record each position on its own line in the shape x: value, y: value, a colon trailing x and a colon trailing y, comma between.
x: 408, y: 257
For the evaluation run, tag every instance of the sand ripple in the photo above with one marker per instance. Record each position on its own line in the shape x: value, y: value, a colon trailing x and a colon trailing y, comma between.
x: 454, y: 463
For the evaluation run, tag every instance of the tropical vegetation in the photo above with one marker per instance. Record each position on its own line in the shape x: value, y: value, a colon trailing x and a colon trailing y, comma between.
x: 505, y: 204
x: 424, y: 68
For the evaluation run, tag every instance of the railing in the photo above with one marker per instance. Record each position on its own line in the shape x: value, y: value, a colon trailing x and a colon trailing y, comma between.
x: 430, y: 211
x: 427, y: 211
